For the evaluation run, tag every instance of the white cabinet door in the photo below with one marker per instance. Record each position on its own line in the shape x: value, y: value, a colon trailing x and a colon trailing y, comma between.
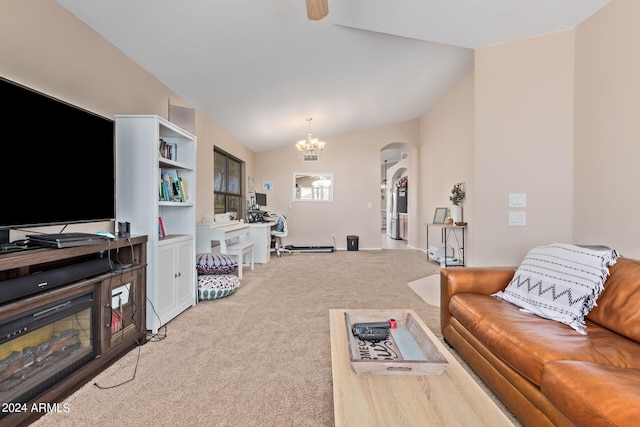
x: 165, y: 299
x: 176, y: 286
x: 185, y: 280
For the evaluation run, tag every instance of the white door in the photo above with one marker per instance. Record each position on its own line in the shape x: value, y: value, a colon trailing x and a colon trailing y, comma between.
x: 165, y: 300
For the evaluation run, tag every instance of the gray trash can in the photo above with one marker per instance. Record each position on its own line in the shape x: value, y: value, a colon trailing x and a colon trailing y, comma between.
x: 352, y: 243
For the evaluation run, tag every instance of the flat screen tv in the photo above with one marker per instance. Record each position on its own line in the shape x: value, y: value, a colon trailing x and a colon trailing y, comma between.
x: 58, y: 162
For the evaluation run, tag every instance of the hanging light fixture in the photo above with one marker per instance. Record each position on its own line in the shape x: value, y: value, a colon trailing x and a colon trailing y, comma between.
x: 383, y: 184
x: 311, y: 148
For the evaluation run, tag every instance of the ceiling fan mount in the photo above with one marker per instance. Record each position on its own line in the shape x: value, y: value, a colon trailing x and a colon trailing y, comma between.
x: 317, y: 9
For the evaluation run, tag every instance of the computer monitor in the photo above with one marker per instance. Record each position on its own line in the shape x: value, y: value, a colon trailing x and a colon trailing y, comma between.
x: 261, y: 199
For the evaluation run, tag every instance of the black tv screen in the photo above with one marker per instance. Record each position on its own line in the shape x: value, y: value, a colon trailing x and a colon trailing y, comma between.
x: 58, y: 163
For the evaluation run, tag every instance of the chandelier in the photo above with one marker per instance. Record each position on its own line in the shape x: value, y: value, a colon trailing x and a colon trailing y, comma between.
x: 311, y: 148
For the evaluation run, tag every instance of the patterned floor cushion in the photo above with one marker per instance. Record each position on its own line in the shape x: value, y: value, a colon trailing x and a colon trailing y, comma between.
x: 208, y: 263
x: 214, y: 286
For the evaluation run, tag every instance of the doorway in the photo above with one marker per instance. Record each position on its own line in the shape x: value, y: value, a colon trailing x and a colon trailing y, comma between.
x: 393, y: 173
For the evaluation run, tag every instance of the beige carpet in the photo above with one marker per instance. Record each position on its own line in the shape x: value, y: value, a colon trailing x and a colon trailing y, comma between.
x: 428, y: 288
x: 259, y: 357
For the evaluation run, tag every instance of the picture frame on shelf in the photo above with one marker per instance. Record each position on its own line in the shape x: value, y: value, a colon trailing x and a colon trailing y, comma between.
x: 440, y: 215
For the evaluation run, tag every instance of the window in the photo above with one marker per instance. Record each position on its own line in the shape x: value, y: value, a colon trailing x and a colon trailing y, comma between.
x: 227, y: 183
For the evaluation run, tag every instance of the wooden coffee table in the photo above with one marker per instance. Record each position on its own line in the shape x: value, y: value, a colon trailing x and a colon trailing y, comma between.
x: 452, y: 398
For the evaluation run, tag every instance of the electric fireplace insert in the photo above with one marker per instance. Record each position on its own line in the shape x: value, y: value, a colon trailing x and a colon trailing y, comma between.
x: 41, y: 346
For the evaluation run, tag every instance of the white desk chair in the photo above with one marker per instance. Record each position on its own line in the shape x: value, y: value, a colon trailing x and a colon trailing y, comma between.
x: 280, y: 232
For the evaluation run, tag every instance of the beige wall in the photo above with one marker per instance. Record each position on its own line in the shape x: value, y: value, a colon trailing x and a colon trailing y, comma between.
x: 523, y: 144
x: 446, y: 158
x: 554, y: 118
x: 46, y: 48
x: 607, y: 135
x: 209, y: 136
x: 354, y: 160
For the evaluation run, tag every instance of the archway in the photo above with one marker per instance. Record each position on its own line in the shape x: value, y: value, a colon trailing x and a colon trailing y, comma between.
x: 393, y: 173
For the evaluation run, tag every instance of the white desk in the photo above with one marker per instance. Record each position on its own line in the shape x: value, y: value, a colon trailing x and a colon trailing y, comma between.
x: 257, y: 232
x: 223, y: 232
x: 260, y: 234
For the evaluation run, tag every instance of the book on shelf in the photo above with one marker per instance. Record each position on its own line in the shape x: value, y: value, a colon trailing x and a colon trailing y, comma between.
x: 163, y: 195
x: 163, y: 191
x: 172, y: 151
x: 168, y: 150
x: 172, y: 187
x: 162, y: 147
x: 173, y: 181
x: 177, y: 191
x: 161, y: 231
x: 183, y: 185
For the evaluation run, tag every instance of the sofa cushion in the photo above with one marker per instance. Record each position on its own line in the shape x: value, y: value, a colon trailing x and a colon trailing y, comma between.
x: 560, y: 282
x: 618, y: 306
x: 593, y: 394
x: 210, y: 263
x: 527, y: 342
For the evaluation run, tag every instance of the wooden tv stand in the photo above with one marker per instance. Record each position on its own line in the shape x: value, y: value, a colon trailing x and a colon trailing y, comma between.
x: 110, y: 342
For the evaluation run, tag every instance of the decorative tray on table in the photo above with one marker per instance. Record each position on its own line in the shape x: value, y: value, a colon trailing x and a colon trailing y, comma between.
x: 407, y: 349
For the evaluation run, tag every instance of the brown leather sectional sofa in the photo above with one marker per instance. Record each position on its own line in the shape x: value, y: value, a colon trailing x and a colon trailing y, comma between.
x: 545, y: 372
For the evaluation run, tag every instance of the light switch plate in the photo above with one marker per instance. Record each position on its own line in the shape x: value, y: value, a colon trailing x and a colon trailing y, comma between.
x: 518, y: 218
x: 518, y: 200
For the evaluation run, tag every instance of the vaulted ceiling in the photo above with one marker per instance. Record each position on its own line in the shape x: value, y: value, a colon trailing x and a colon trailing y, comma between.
x: 259, y: 68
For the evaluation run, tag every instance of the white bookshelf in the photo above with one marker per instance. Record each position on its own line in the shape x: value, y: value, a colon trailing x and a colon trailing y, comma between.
x: 171, y: 275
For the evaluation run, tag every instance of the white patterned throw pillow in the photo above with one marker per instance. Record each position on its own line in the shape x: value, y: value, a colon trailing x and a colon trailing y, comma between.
x: 560, y: 282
